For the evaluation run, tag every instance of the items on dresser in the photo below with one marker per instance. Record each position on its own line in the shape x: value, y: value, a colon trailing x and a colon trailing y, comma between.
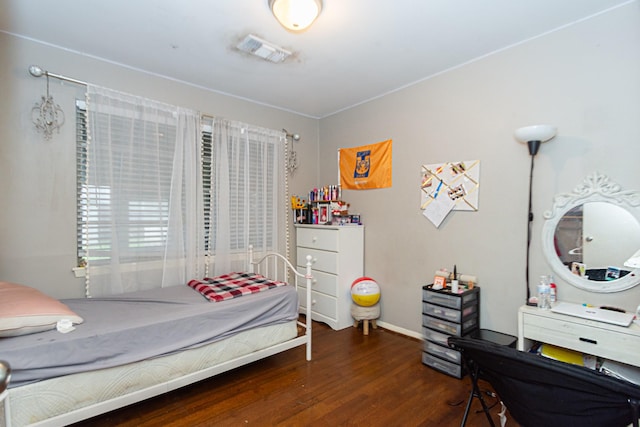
x: 338, y: 259
x: 443, y: 276
x: 325, y: 193
x: 446, y: 314
x: 325, y: 207
x: 598, y: 314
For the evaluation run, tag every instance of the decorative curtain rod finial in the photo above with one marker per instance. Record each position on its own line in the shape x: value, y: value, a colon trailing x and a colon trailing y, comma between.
x: 36, y: 71
x: 293, y: 136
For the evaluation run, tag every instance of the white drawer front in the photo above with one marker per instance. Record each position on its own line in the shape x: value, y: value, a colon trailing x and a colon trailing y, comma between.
x: 321, y: 304
x: 323, y: 282
x: 586, y: 338
x: 320, y: 260
x: 318, y: 239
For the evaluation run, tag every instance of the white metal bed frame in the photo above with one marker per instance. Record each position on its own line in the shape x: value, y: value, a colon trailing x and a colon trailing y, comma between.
x: 274, y: 266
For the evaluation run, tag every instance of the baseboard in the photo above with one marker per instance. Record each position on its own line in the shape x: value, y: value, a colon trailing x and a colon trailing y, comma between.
x: 400, y: 330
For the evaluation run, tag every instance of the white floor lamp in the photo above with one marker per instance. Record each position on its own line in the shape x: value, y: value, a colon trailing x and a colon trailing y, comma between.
x: 533, y: 136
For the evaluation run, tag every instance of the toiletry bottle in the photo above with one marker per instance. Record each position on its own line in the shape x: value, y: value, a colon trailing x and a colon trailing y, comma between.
x: 553, y: 295
x: 544, y: 291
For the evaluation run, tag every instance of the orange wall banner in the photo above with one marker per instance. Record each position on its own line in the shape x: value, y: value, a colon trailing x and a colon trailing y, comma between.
x: 366, y: 167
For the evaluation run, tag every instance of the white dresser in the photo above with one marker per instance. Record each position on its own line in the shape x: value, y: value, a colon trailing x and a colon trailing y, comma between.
x: 608, y: 341
x: 338, y: 259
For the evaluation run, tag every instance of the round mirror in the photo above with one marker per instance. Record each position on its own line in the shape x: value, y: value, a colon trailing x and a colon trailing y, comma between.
x: 590, y: 236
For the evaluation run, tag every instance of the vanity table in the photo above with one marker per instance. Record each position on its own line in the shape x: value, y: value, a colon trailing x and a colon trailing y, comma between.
x: 596, y: 226
x: 612, y: 342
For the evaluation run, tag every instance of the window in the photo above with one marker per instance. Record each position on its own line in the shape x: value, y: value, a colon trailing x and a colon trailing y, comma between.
x: 142, y: 216
x: 241, y: 176
x: 242, y: 183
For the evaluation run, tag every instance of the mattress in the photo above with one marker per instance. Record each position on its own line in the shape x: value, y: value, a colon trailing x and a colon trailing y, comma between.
x: 39, y: 401
x: 128, y: 328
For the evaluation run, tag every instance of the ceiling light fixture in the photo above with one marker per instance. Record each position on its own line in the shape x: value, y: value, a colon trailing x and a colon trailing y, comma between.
x: 533, y: 136
x: 296, y: 15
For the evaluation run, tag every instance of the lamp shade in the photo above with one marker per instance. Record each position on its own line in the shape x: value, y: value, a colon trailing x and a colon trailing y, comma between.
x: 542, y: 133
x: 296, y: 15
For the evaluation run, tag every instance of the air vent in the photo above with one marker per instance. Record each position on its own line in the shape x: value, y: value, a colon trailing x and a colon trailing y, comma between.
x: 263, y: 49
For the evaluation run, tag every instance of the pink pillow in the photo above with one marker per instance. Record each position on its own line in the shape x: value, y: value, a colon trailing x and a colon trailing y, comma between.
x: 25, y: 310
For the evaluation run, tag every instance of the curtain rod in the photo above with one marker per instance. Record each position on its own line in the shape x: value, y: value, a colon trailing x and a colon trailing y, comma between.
x: 37, y: 71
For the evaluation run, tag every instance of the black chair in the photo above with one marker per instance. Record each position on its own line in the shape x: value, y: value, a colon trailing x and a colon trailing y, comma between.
x: 538, y: 391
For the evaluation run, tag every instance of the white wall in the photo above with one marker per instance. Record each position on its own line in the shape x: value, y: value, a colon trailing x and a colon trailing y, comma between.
x: 37, y: 177
x: 585, y: 79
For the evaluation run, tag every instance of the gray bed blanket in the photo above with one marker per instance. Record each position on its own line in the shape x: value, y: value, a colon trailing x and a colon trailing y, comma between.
x: 131, y: 327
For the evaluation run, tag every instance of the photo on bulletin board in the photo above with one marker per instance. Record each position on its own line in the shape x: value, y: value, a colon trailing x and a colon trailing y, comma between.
x: 457, y: 182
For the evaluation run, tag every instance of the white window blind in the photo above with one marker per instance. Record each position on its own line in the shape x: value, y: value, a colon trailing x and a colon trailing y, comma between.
x: 81, y: 176
x: 243, y: 197
x: 141, y: 215
x: 245, y: 193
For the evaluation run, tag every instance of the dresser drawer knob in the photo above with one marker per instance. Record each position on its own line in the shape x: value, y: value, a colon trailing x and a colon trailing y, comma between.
x: 313, y: 302
x: 314, y: 239
x: 590, y: 341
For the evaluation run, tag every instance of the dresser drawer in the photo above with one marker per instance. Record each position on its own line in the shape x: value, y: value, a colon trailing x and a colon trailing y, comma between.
x: 447, y: 299
x: 586, y: 336
x: 320, y: 303
x: 437, y: 337
x: 443, y: 352
x: 448, y: 313
x: 318, y: 238
x: 322, y: 282
x: 450, y: 328
x: 442, y: 365
x: 320, y: 260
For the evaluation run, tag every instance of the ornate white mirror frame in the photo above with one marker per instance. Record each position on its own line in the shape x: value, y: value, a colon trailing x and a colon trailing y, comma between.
x: 595, y: 188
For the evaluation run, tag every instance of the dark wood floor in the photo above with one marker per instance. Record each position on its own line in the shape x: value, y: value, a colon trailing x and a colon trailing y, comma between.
x: 353, y: 380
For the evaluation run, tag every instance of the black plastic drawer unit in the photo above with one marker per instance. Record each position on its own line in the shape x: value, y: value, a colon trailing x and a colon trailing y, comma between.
x: 446, y: 314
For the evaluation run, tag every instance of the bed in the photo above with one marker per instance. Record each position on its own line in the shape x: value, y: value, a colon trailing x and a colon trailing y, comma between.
x: 60, y: 378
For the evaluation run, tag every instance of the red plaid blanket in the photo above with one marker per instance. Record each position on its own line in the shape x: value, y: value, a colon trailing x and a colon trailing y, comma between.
x: 232, y: 285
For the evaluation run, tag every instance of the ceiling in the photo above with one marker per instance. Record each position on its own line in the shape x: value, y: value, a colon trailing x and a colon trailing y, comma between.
x: 356, y: 50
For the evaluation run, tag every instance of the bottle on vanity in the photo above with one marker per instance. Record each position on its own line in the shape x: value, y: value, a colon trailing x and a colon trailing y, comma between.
x: 544, y: 293
x: 553, y: 294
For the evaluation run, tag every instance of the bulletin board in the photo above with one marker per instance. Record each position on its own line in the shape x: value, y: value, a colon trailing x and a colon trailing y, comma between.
x: 449, y: 186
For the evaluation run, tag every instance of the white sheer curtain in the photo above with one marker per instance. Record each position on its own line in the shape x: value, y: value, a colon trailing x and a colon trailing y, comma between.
x: 184, y: 253
x: 144, y: 224
x: 248, y: 204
